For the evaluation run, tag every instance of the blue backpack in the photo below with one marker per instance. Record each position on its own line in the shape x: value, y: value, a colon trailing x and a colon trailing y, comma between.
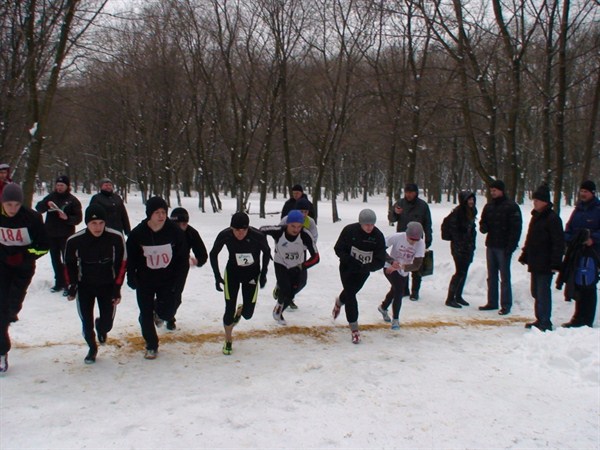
x: 586, y: 273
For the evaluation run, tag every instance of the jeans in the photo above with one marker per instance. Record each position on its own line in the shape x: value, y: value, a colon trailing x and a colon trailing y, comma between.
x: 498, y: 260
x: 541, y: 291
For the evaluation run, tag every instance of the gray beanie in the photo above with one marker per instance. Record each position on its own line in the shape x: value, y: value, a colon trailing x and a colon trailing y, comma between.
x: 414, y: 230
x: 12, y: 193
x: 367, y: 216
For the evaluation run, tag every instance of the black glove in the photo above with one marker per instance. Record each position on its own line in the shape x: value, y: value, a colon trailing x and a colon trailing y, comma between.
x: 116, y: 291
x: 523, y: 259
x: 132, y: 281
x: 263, y: 280
x: 72, y: 290
x: 218, y: 282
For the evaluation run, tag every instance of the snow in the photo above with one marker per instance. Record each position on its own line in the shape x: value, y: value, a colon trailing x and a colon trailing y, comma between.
x: 447, y: 379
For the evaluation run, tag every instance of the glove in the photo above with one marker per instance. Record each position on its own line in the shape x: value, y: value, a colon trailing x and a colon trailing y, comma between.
x: 263, y: 280
x: 72, y: 290
x: 132, y: 281
x: 218, y: 282
x: 116, y: 292
x: 522, y: 259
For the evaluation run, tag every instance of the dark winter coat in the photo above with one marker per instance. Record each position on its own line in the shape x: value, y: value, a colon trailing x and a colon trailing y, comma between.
x: 23, y: 238
x: 70, y: 205
x: 116, y: 214
x: 415, y: 211
x: 544, y: 244
x: 254, y: 243
x: 359, y: 251
x: 96, y: 261
x: 157, y: 258
x: 501, y: 220
x: 585, y: 215
x: 460, y: 229
x: 576, y: 249
x: 196, y: 244
x: 290, y: 204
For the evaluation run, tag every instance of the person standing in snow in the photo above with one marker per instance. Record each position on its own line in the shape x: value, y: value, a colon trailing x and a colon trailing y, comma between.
x: 542, y: 253
x: 302, y: 205
x: 4, y: 176
x: 291, y: 243
x: 459, y: 228
x: 412, y: 209
x: 116, y: 213
x: 406, y: 250
x: 182, y: 218
x: 157, y: 256
x: 63, y: 213
x: 502, y: 222
x: 244, y: 271
x: 290, y: 204
x: 95, y: 260
x: 361, y: 250
x: 23, y: 240
x: 582, y: 233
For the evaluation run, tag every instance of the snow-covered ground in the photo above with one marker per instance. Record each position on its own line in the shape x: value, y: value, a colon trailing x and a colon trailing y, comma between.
x: 447, y: 379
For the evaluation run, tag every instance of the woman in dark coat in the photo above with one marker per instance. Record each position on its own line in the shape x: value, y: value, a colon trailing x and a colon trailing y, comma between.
x: 459, y: 228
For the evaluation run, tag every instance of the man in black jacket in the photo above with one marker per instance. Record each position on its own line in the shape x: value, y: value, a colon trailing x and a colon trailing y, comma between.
x: 95, y: 258
x: 411, y: 208
x: 157, y: 255
x: 502, y: 222
x: 542, y: 253
x: 290, y: 204
x: 116, y: 213
x: 63, y: 212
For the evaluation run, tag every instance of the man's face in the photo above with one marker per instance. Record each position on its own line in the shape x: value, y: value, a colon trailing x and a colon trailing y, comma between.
x: 106, y: 187
x: 158, y: 218
x: 61, y: 188
x: 294, y: 229
x: 496, y: 193
x: 297, y: 195
x: 11, y: 208
x: 182, y: 225
x: 585, y: 195
x: 410, y: 195
x: 240, y: 233
x: 368, y: 227
x: 3, y: 174
x: 539, y: 205
x: 470, y: 202
x: 96, y: 227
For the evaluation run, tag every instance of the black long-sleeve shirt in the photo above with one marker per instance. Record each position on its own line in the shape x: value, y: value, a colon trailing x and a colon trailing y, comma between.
x: 244, y: 255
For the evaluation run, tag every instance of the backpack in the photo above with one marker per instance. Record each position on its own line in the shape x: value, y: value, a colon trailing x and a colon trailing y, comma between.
x: 447, y: 228
x: 586, y: 272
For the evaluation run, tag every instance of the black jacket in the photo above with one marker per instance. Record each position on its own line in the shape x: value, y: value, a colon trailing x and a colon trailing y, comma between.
x: 359, y: 251
x: 415, y: 211
x: 196, y: 244
x: 254, y: 243
x: 501, y: 220
x: 116, y: 214
x: 157, y: 258
x: 544, y: 244
x: 70, y: 205
x: 290, y: 204
x: 96, y: 261
x: 459, y: 227
x: 23, y: 238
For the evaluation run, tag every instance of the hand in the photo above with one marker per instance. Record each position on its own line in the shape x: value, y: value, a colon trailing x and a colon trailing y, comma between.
x: 263, y: 280
x: 132, y: 282
x: 116, y: 296
x: 390, y: 270
x: 522, y: 259
x: 62, y: 215
x: 218, y: 282
x: 72, y: 291
x: 193, y: 261
x: 396, y: 265
x: 398, y: 210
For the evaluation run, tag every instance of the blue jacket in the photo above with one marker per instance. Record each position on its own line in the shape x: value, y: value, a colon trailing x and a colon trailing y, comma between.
x: 585, y: 215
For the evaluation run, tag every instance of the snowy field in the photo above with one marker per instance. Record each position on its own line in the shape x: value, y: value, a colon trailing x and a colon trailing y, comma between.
x: 447, y: 379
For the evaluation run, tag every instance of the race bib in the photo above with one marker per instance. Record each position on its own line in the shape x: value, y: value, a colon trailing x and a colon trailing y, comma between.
x: 158, y: 256
x: 244, y: 259
x: 14, y: 237
x: 362, y: 256
x: 292, y: 257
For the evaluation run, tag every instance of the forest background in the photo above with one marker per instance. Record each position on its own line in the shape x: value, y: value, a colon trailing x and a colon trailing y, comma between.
x: 346, y: 97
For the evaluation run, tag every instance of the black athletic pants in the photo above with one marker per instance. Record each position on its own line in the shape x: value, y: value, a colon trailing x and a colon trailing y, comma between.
x: 14, y: 281
x: 233, y: 282
x: 290, y: 282
x: 352, y: 282
x: 57, y: 249
x: 396, y: 292
x: 86, y: 298
x: 150, y: 299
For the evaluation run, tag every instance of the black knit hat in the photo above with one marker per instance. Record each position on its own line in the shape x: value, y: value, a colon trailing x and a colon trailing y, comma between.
x: 63, y: 179
x: 542, y: 193
x: 498, y: 184
x: 411, y: 187
x: 12, y: 193
x: 155, y: 203
x: 95, y: 212
x: 297, y: 187
x: 588, y: 185
x: 240, y: 220
x: 180, y: 215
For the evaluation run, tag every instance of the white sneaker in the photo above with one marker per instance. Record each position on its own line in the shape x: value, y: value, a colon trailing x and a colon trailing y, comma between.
x: 278, y: 314
x: 150, y: 354
x: 395, y: 324
x: 356, y: 337
x: 384, y: 313
x: 158, y: 321
x: 4, y: 363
